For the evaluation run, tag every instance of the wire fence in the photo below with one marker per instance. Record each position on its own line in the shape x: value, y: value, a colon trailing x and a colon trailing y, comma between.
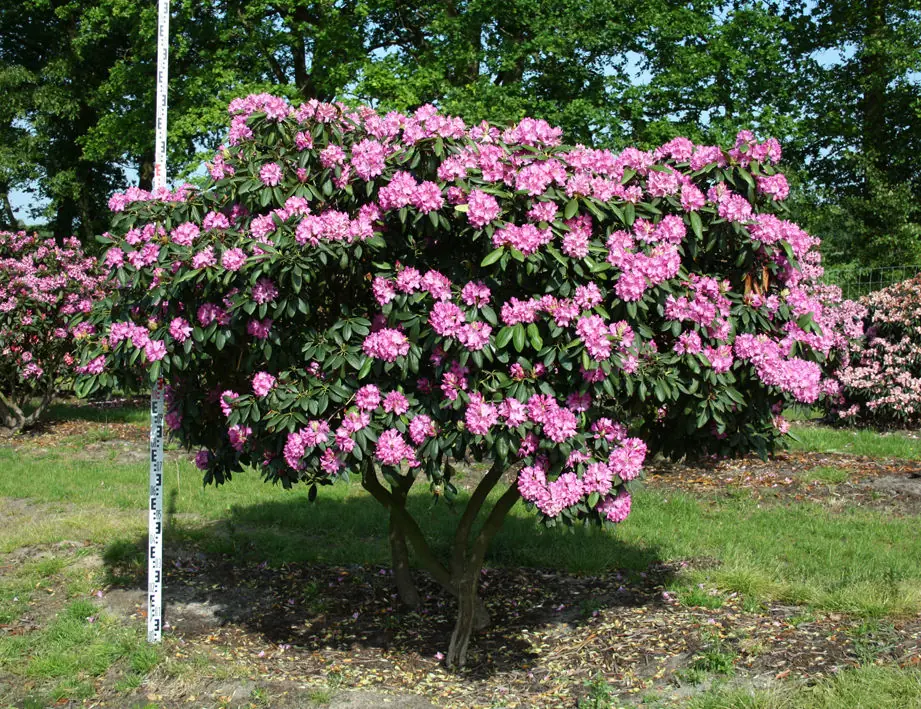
x: 857, y: 282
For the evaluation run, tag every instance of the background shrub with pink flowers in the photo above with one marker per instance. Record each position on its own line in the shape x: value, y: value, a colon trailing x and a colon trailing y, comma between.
x: 881, y: 379
x: 383, y: 295
x: 45, y: 289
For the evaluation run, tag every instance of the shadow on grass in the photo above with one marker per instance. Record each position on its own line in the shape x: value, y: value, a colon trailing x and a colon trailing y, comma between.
x: 134, y: 409
x: 322, y: 581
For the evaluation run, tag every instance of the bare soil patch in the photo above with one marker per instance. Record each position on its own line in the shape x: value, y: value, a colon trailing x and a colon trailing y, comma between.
x: 893, y: 485
x: 311, y: 625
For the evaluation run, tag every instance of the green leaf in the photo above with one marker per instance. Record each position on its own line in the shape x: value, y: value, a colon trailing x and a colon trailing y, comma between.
x: 696, y: 225
x: 492, y: 256
x: 518, y: 337
x: 629, y: 214
x: 534, y: 336
x: 504, y: 336
x: 572, y: 206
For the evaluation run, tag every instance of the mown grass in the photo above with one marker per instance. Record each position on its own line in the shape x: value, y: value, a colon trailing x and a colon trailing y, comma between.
x: 122, y: 411
x: 866, y: 687
x: 853, y: 560
x: 859, y: 561
x: 860, y: 441
x: 77, y: 647
x: 73, y: 642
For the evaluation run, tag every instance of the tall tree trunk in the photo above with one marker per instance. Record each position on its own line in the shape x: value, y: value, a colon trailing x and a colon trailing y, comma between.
x: 64, y: 218
x: 7, y: 217
x: 146, y: 170
x: 875, y: 75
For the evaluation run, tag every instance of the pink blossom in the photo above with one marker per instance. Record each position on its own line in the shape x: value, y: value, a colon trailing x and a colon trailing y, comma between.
x: 264, y: 291
x: 475, y: 294
x: 396, y: 402
x: 597, y: 478
x: 446, y: 319
x: 386, y: 344
x: 185, y: 234
x: 427, y: 197
x: 270, y: 174
x: 155, y: 350
x: 615, y: 509
x: 263, y: 383
x: 237, y: 435
x: 543, y: 212
x: 560, y: 425
x: 368, y: 398
x: 331, y: 156
x: 474, y: 336
x: 204, y: 258
x: 316, y: 433
x: 392, y: 448
x: 480, y: 415
x: 482, y: 208
x: 420, y: 428
x: 259, y: 328
x: 329, y: 462
x: 180, y: 329
x: 233, y: 259
x: 368, y: 159
x: 408, y: 280
x: 227, y: 398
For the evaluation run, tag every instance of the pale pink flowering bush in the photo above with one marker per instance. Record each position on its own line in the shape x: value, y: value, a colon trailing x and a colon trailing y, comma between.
x: 881, y: 379
x: 432, y: 291
x: 46, y: 291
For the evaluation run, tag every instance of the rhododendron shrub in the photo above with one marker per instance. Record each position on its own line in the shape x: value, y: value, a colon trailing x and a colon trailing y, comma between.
x: 881, y: 380
x: 45, y: 288
x: 383, y: 295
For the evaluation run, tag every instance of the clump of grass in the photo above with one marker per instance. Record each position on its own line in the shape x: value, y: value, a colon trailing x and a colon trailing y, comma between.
x: 600, y: 694
x: 826, y: 473
x: 64, y: 658
x: 862, y: 441
x: 714, y: 657
x: 699, y: 596
x: 871, y: 687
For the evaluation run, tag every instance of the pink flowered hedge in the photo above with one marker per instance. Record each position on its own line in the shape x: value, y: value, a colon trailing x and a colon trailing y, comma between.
x: 45, y: 288
x: 881, y: 380
x: 357, y: 292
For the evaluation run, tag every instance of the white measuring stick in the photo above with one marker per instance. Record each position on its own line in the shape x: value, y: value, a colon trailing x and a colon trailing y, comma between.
x: 157, y: 403
x: 155, y: 519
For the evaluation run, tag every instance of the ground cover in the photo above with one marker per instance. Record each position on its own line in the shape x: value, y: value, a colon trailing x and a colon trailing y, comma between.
x: 742, y: 583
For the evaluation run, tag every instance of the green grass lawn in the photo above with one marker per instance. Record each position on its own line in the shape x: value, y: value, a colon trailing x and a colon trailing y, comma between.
x: 863, y: 441
x: 859, y: 561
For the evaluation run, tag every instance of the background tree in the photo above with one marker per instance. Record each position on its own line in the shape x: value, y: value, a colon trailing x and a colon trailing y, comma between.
x: 837, y: 82
x: 860, y: 127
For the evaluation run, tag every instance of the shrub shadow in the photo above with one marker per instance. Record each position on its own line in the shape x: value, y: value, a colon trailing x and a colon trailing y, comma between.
x: 235, y: 569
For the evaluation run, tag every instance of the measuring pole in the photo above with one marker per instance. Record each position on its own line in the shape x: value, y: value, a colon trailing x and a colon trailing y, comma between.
x: 155, y: 508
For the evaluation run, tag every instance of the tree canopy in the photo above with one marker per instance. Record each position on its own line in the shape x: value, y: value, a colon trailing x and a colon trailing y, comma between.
x: 837, y: 82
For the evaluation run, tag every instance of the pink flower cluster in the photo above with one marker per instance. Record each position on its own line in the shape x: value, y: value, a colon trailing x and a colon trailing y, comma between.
x: 386, y: 344
x: 777, y: 368
x: 625, y: 462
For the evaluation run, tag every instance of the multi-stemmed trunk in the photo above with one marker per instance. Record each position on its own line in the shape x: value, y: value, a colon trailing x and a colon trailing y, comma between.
x: 13, y: 416
x: 460, y: 577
